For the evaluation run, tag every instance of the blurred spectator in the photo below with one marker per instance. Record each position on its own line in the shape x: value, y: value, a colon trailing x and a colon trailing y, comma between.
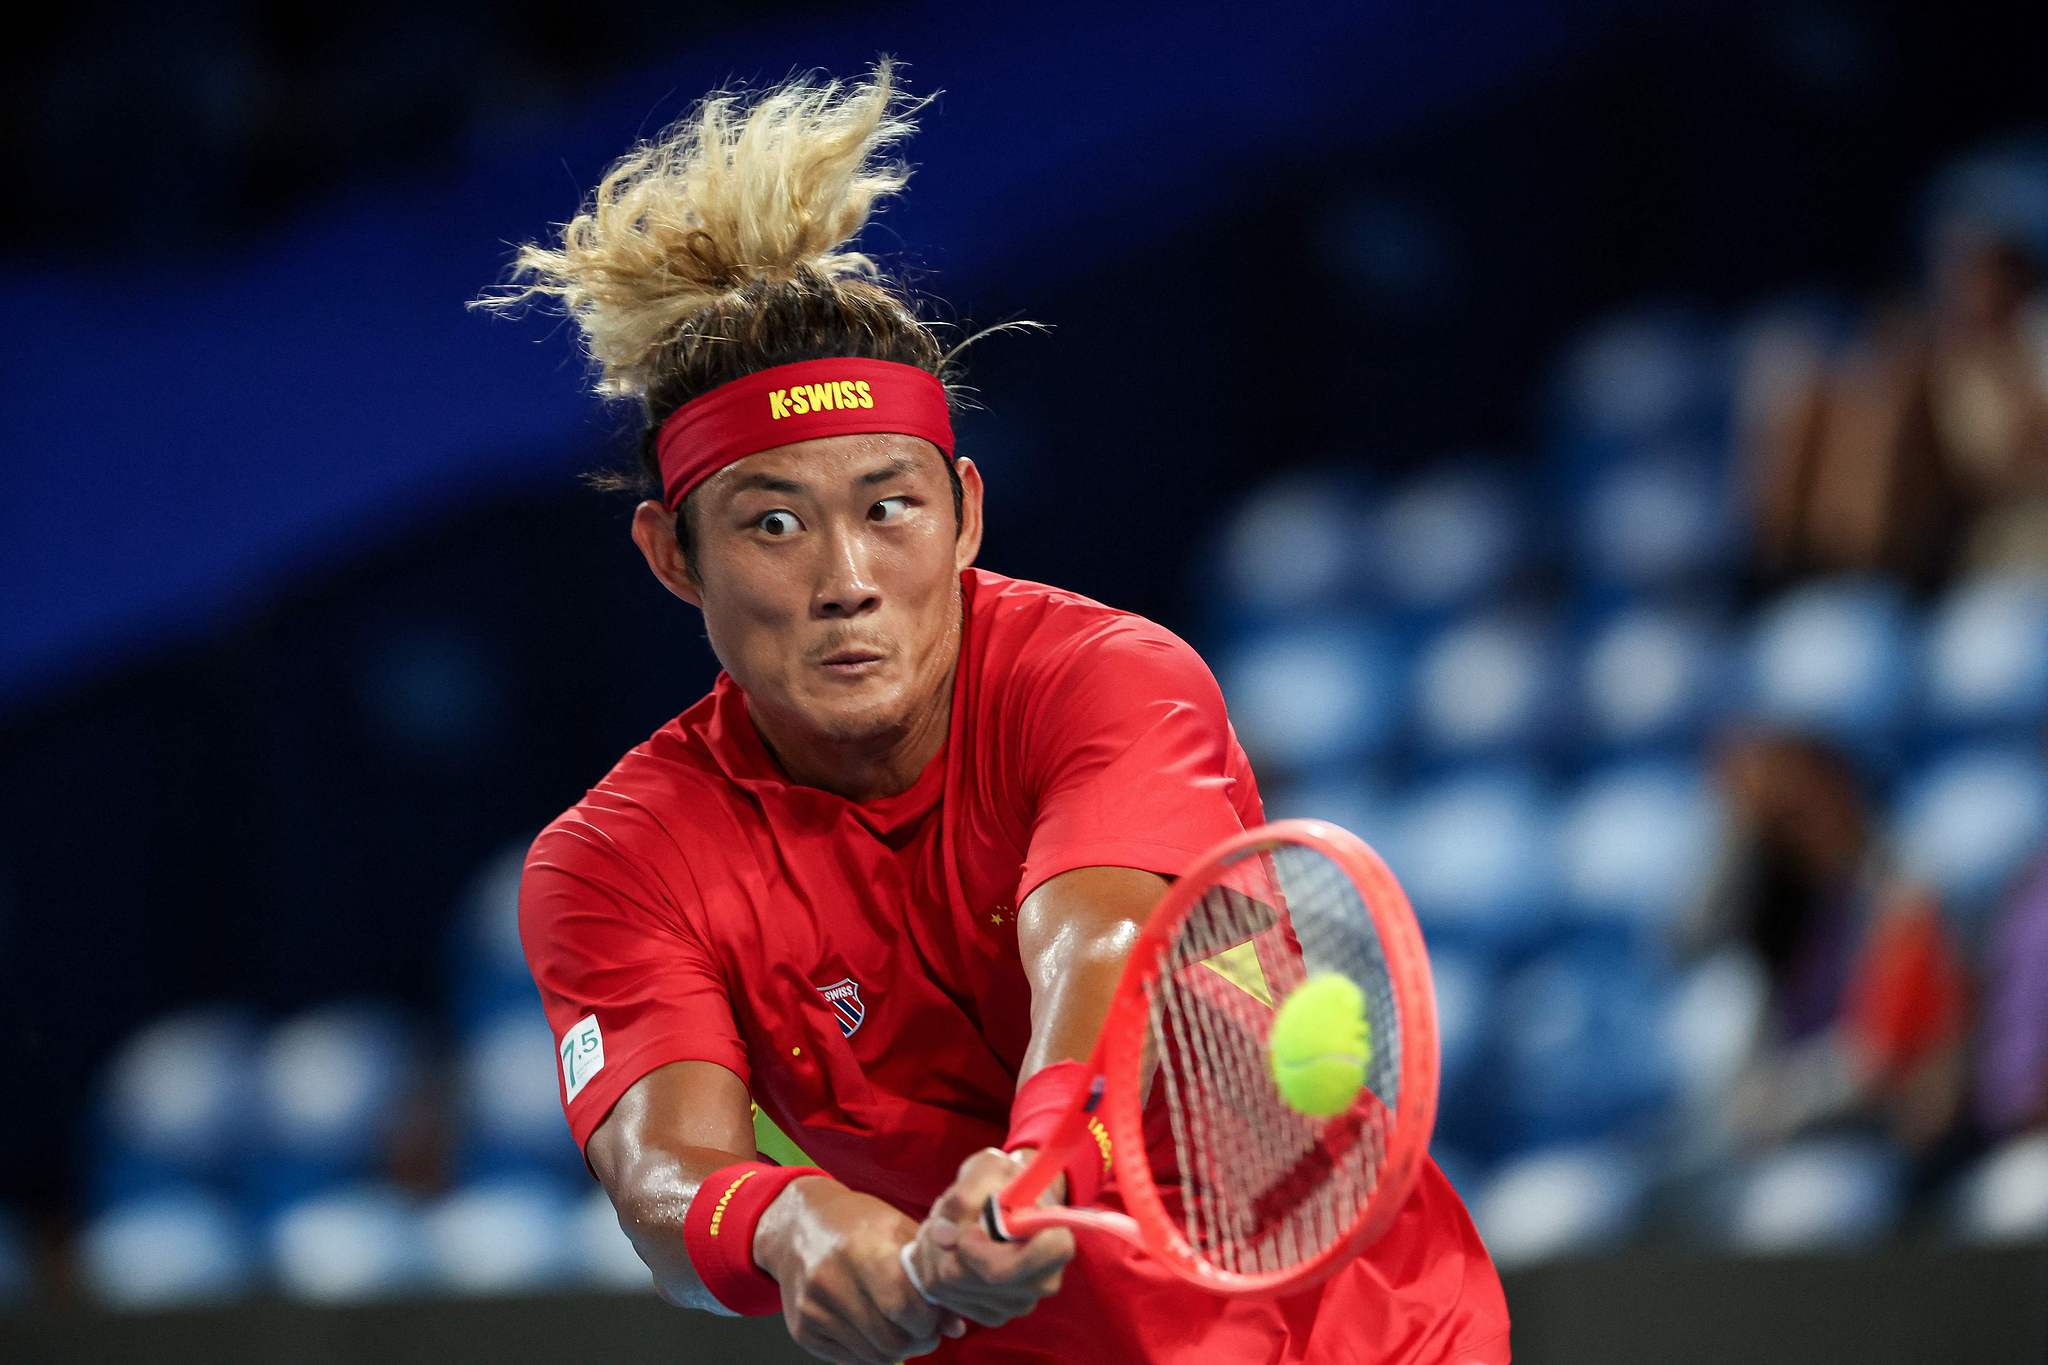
x: 1988, y: 389
x: 1924, y: 446
x: 2012, y: 1069
x: 1866, y: 996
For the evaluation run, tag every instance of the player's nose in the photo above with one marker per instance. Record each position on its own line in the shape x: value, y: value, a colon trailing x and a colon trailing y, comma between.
x: 846, y: 585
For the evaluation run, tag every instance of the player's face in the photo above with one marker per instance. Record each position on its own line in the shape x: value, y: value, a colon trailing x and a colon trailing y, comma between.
x: 829, y: 576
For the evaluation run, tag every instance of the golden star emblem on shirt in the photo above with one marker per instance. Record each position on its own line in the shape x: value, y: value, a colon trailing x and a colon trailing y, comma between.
x: 995, y: 917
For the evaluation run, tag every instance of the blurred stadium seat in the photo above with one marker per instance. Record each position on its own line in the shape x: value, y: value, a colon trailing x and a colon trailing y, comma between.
x: 333, y: 1086
x: 1651, y: 677
x: 1583, y: 1055
x: 1448, y: 540
x: 1560, y: 1202
x: 1833, y: 658
x: 1490, y: 686
x: 349, y: 1245
x: 1644, y: 376
x: 1985, y: 657
x: 2004, y: 1197
x: 1658, y: 521
x: 174, y: 1105
x: 1967, y: 823
x: 176, y: 1247
x: 1636, y: 841
x: 16, y: 1273
x: 486, y: 963
x: 502, y: 1236
x: 1312, y: 697
x: 1815, y: 1193
x: 601, y: 1250
x: 510, y: 1101
x: 1292, y: 548
x: 1713, y: 1021
x: 1476, y: 855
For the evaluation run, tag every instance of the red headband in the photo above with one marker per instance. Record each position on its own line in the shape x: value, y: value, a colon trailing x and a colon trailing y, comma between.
x: 799, y: 402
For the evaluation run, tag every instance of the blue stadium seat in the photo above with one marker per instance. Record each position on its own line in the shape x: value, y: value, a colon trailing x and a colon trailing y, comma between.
x: 176, y: 1247
x: 174, y: 1105
x: 603, y: 1255
x: 1967, y: 823
x: 1817, y: 1193
x: 1447, y: 541
x: 510, y: 1109
x: 487, y: 965
x: 1636, y: 840
x: 1712, y: 1022
x: 2004, y: 1197
x: 1833, y: 659
x: 1650, y: 375
x: 1583, y: 1053
x: 1476, y: 855
x: 332, y: 1084
x: 1292, y: 548
x: 504, y: 1236
x: 16, y: 1274
x: 1659, y: 519
x: 1490, y: 686
x: 1464, y: 983
x: 349, y: 1245
x: 1984, y: 662
x: 1351, y: 801
x: 1314, y: 697
x: 1561, y: 1201
x: 1652, y: 678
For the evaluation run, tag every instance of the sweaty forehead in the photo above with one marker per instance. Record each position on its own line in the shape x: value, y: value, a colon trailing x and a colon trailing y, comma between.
x: 826, y: 465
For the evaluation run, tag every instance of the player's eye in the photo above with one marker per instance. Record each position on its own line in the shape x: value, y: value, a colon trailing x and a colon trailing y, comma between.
x: 778, y: 524
x: 889, y: 509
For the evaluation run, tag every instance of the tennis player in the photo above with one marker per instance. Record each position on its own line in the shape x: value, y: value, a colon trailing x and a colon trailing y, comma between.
x: 882, y: 880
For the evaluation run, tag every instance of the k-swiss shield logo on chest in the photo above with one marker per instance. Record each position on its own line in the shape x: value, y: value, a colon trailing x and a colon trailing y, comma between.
x: 843, y: 996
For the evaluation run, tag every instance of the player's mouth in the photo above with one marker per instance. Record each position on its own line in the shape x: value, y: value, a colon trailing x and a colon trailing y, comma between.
x: 852, y: 663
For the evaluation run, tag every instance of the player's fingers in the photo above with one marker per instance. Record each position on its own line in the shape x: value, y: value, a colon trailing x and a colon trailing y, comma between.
x: 982, y: 1174
x: 965, y: 1294
x: 1016, y: 1263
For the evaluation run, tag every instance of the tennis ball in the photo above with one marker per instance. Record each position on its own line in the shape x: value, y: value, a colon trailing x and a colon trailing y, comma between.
x: 1320, y: 1045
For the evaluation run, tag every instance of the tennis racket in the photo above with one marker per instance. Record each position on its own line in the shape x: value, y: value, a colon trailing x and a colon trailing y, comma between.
x: 1225, y: 1182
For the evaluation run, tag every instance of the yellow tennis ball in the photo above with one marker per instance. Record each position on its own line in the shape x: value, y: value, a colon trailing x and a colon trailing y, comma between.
x: 1321, y: 1045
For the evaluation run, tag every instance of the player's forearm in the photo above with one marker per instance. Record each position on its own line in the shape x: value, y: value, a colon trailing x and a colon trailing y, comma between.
x: 652, y: 1195
x: 1075, y: 934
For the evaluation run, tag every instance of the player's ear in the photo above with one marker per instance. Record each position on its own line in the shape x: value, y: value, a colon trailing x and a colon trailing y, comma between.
x: 654, y: 531
x: 968, y: 543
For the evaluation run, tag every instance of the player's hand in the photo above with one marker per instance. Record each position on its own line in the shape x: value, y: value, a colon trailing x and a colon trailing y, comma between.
x: 845, y: 1297
x: 968, y: 1271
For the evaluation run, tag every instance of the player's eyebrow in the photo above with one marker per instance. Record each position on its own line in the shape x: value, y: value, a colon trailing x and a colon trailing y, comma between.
x: 768, y: 483
x: 898, y: 465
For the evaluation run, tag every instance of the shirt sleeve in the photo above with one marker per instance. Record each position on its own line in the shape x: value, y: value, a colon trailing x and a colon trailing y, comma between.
x: 1132, y: 759
x: 626, y: 984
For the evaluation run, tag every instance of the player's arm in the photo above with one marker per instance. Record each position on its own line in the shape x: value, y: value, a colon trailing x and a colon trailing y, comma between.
x: 1074, y: 933
x: 832, y: 1250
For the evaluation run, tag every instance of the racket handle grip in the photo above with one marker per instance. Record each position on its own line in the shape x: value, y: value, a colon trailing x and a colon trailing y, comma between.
x: 992, y: 1219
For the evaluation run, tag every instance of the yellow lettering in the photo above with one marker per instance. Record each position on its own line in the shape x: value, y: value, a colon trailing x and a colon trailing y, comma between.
x: 778, y: 404
x: 718, y: 1213
x: 818, y: 393
x: 847, y: 397
x: 867, y: 397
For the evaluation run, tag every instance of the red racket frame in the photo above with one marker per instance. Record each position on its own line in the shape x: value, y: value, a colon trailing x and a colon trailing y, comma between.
x: 1119, y: 1058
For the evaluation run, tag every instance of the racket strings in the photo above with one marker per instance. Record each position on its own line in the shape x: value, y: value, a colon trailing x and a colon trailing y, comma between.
x: 1263, y: 1187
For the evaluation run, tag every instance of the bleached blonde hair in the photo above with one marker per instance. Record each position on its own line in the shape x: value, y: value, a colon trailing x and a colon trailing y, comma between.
x: 737, y: 204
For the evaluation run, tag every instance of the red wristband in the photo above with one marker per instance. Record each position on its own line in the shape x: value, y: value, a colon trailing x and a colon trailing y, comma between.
x: 1035, y: 1115
x: 718, y: 1233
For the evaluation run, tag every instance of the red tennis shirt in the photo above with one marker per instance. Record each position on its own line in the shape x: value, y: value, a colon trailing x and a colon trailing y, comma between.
x: 856, y: 963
